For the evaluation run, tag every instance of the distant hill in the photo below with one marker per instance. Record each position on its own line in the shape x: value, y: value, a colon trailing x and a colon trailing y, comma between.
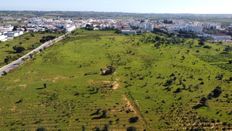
x: 92, y: 14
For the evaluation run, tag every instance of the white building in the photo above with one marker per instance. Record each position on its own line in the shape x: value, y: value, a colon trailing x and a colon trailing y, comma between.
x: 193, y: 28
x: 11, y: 34
x: 70, y: 28
x: 224, y: 38
x: 146, y: 26
x: 14, y: 33
x: 3, y: 38
x: 129, y: 32
x: 6, y: 28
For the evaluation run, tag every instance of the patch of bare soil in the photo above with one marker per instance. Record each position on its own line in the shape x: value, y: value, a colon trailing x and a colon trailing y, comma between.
x: 132, y: 107
x: 55, y: 79
x: 129, y: 106
x: 23, y: 85
x: 115, y: 85
x: 13, y: 109
x: 16, y: 80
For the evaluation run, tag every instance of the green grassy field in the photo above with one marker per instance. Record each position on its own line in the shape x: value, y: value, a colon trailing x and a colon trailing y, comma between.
x: 62, y: 88
x: 28, y: 41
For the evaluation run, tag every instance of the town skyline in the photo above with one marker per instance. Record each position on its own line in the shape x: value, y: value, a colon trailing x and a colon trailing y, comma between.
x: 137, y: 6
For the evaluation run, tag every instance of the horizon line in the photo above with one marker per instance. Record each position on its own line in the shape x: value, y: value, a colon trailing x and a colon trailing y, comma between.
x: 123, y: 12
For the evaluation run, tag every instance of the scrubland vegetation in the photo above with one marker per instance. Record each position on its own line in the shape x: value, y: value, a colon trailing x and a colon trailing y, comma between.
x: 17, y: 47
x: 153, y: 82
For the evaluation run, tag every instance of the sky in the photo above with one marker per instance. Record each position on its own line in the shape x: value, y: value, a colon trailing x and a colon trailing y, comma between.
x: 133, y: 6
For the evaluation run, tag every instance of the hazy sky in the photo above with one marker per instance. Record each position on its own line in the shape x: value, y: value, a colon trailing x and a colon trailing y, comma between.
x: 138, y: 6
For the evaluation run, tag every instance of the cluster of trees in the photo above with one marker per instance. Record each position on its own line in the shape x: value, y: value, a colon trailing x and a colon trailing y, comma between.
x: 228, y: 49
x: 215, y: 93
x: 89, y: 27
x: 18, y: 49
x: 46, y: 38
x: 160, y: 40
x: 201, y: 42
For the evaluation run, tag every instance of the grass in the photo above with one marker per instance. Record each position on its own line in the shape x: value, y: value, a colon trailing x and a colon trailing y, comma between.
x: 147, y: 79
x: 28, y: 41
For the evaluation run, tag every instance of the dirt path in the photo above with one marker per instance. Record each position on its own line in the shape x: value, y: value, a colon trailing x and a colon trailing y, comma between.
x: 115, y: 85
x: 134, y: 107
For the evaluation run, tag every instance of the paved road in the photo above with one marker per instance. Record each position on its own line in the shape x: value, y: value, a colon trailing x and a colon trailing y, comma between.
x: 7, y: 68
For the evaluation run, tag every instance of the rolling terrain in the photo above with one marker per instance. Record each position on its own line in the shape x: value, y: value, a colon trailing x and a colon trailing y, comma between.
x: 158, y: 83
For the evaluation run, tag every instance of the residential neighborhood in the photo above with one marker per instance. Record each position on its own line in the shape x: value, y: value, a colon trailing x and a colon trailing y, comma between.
x: 214, y: 31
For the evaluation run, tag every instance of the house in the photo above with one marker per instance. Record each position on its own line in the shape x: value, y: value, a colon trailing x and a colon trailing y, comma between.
x: 11, y: 34
x: 96, y: 28
x: 223, y: 38
x: 21, y: 33
x: 70, y: 28
x: 14, y: 33
x: 146, y: 26
x: 128, y: 32
x: 3, y: 38
x: 6, y: 28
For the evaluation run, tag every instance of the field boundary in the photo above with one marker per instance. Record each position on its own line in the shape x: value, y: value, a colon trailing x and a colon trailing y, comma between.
x: 136, y: 108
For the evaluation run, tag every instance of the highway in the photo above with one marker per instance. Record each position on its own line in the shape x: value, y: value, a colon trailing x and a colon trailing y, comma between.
x: 13, y: 65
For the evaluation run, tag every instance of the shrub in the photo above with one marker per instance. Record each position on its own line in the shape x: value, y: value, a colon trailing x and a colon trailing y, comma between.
x: 178, y: 90
x: 133, y: 119
x: 201, y: 103
x: 40, y: 129
x: 227, y: 49
x: 201, y: 42
x: 215, y: 93
x: 46, y: 38
x: 131, y: 128
x: 230, y: 62
x: 7, y: 59
x: 19, y: 101
x: 207, y: 47
x: 18, y: 49
x: 219, y: 77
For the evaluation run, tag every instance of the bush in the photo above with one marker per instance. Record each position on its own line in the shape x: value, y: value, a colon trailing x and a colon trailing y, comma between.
x: 131, y: 128
x: 18, y: 49
x: 219, y: 77
x: 178, y: 90
x: 41, y: 129
x: 207, y: 47
x: 230, y: 62
x: 47, y: 38
x: 201, y: 42
x: 201, y: 103
x: 227, y: 49
x: 133, y: 119
x: 7, y: 59
x: 215, y: 93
